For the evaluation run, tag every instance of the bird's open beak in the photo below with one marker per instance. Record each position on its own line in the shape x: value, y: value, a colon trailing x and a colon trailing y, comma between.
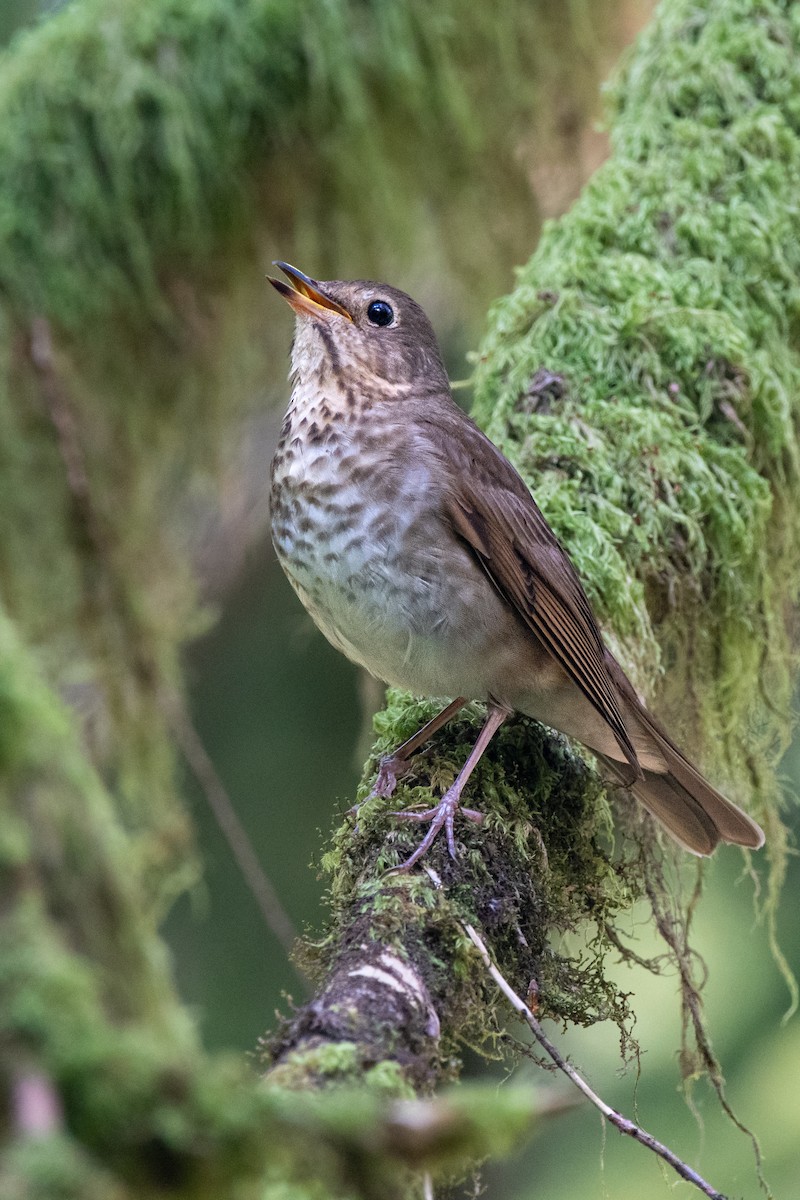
x: 305, y: 295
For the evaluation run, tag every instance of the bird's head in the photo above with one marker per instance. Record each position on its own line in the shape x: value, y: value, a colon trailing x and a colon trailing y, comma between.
x: 363, y: 333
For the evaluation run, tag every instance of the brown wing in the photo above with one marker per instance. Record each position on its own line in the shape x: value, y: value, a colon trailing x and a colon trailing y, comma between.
x: 495, y: 514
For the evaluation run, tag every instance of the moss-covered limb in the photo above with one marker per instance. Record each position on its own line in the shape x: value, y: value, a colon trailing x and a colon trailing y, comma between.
x: 400, y: 983
x: 401, y: 989
x: 134, y: 141
x: 86, y: 1003
x: 643, y: 376
x: 133, y: 138
x: 139, y: 1097
x: 370, y: 1146
x: 63, y: 858
x: 373, y: 1008
x: 132, y: 1105
x: 661, y: 309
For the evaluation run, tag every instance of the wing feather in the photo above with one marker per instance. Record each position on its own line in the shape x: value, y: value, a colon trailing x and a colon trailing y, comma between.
x: 525, y: 561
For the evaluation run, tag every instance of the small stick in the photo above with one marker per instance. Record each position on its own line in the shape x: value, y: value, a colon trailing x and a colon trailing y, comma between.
x: 623, y: 1124
x: 258, y: 882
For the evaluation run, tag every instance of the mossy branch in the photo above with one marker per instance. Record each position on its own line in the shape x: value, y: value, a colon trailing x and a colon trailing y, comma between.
x: 105, y: 1089
x: 644, y: 377
x: 504, y: 881
x: 137, y: 147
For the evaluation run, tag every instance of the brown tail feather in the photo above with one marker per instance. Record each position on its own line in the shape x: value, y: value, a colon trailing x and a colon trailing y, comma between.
x: 685, y: 803
x: 679, y: 812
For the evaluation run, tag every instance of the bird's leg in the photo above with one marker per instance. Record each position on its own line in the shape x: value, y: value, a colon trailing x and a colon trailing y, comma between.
x: 443, y: 814
x: 394, y: 766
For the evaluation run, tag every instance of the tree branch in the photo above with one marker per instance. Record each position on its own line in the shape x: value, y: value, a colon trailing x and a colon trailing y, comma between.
x: 623, y: 1124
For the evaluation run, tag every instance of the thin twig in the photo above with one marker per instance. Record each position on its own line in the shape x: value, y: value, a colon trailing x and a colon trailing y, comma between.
x: 258, y: 882
x: 63, y: 418
x: 623, y: 1124
x: 690, y: 996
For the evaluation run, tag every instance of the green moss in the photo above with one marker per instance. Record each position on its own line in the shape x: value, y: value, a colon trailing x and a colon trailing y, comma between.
x: 541, y: 866
x: 133, y: 145
x: 338, y: 1063
x: 665, y: 455
x: 153, y: 124
x: 86, y: 1002
x: 326, y: 1063
x: 157, y: 120
x: 56, y: 1168
x: 366, y: 1146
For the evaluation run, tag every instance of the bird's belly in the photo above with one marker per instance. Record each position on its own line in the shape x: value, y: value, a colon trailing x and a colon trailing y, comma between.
x: 443, y: 631
x: 387, y: 598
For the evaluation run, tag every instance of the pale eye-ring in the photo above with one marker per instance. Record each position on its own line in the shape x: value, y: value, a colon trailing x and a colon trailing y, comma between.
x: 380, y: 312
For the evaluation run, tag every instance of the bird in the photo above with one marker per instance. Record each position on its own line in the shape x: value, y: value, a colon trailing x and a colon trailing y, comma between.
x: 421, y: 554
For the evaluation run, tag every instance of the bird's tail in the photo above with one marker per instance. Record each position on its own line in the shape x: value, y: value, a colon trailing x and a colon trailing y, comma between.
x: 685, y: 803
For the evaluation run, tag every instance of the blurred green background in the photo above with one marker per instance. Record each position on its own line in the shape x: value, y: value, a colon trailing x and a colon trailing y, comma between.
x: 283, y: 718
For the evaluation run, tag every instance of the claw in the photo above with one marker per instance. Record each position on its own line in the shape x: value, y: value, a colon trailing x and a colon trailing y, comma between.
x: 442, y: 816
x: 391, y: 769
x: 394, y: 766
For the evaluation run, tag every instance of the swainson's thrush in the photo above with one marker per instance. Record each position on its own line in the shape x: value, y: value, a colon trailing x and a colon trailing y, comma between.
x: 421, y: 555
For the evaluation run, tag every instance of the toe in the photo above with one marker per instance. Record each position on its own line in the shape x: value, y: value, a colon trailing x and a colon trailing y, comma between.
x: 408, y: 814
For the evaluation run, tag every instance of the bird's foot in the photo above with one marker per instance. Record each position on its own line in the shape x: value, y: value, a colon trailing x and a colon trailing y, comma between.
x: 441, y: 816
x: 392, y: 768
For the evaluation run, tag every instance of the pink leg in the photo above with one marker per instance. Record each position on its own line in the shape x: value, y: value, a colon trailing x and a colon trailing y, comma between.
x: 443, y: 814
x: 394, y: 766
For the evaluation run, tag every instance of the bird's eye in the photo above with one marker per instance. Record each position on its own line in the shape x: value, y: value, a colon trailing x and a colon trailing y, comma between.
x: 380, y: 313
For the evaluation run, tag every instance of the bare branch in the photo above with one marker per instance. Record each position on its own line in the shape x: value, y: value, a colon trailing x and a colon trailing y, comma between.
x: 623, y: 1124
x: 255, y: 877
